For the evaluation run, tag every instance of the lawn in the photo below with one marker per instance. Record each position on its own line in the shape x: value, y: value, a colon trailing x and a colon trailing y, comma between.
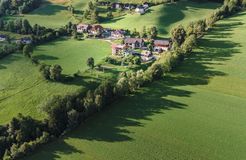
x: 72, y: 54
x: 164, y: 17
x: 197, y: 112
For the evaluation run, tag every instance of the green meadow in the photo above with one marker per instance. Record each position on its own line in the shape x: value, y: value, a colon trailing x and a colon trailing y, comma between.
x: 72, y: 54
x: 164, y: 17
x: 196, y: 112
x: 22, y: 89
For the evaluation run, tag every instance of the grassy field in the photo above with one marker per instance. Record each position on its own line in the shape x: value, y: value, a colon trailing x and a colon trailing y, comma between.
x: 197, y: 112
x: 72, y: 54
x: 53, y: 14
x: 22, y: 88
x: 164, y: 17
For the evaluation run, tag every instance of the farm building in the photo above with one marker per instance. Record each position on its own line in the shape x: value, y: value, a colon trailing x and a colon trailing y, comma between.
x: 162, y: 45
x: 82, y: 28
x: 134, y: 43
x: 116, y: 48
x: 117, y: 34
x: 3, y: 38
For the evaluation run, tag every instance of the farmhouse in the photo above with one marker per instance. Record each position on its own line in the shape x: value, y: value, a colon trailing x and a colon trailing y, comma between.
x: 117, y: 34
x: 141, y: 9
x: 147, y: 56
x: 3, y: 38
x: 25, y: 40
x: 134, y: 43
x: 162, y: 45
x: 117, y: 5
x: 116, y: 48
x: 96, y: 30
x: 82, y: 28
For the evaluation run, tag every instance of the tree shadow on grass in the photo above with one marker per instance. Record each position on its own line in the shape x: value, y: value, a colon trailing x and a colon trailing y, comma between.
x: 112, y: 124
x: 48, y: 9
x: 45, y: 57
x: 168, y: 11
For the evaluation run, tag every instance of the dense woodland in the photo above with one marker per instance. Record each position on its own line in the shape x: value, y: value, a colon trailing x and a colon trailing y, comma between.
x: 24, y: 134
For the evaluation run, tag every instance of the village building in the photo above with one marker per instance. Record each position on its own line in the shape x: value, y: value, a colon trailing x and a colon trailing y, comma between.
x: 147, y: 56
x: 146, y: 5
x: 82, y: 28
x: 141, y: 9
x: 96, y: 30
x: 162, y: 45
x: 118, y: 34
x: 117, y: 5
x: 134, y: 43
x: 118, y: 48
x: 25, y: 40
x: 3, y: 38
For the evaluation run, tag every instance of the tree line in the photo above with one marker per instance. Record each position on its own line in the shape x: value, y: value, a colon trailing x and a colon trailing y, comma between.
x: 23, y: 134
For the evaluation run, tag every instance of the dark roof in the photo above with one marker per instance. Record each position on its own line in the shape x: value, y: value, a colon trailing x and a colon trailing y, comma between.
x: 3, y: 36
x: 133, y: 40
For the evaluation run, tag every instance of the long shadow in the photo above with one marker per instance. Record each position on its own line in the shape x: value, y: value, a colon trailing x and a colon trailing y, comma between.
x: 112, y: 124
x: 45, y: 57
x: 168, y: 11
x: 48, y: 9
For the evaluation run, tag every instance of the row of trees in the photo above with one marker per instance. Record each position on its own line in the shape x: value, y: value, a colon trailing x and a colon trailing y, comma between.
x: 11, y: 7
x: 91, y: 12
x: 150, y: 33
x: 23, y: 134
x: 38, y: 33
x: 7, y: 49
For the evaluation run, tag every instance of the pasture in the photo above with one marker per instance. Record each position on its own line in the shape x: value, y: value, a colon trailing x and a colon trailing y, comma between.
x: 164, y: 17
x: 72, y: 54
x: 196, y: 112
x: 22, y: 89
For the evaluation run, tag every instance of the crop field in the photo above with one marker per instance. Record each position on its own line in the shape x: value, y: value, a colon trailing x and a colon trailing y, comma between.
x: 164, y: 17
x: 196, y: 112
x: 72, y: 54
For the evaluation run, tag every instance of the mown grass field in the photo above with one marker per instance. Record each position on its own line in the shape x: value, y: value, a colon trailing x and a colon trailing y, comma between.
x: 164, y: 17
x: 197, y: 112
x: 72, y: 54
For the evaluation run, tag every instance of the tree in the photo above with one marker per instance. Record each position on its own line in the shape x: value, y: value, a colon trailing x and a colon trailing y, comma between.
x: 110, y: 15
x: 27, y: 50
x: 189, y: 44
x: 56, y: 112
x: 152, y: 32
x: 90, y: 62
x: 178, y: 34
x: 244, y: 3
x: 55, y: 72
x: 144, y: 32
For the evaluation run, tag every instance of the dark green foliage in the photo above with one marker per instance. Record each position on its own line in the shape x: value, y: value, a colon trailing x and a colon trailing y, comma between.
x: 90, y: 62
x: 11, y: 7
x: 27, y: 50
